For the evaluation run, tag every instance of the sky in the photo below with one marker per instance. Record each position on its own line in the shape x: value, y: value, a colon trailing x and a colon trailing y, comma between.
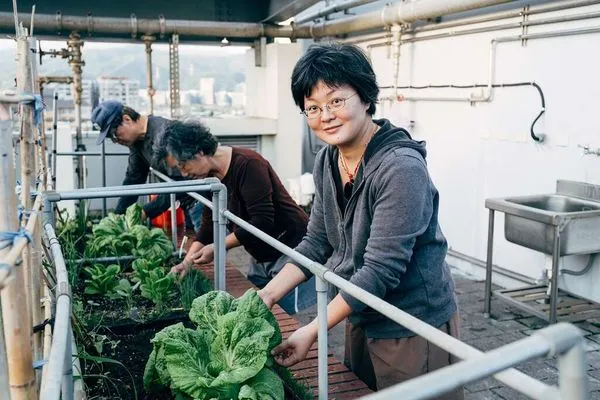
x: 183, y: 48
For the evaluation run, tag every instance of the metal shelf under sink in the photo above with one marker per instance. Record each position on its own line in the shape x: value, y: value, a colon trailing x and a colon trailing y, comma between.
x: 566, y: 222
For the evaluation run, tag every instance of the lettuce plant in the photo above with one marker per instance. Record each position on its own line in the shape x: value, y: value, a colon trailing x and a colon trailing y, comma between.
x: 227, y: 356
x: 103, y: 280
x: 120, y: 235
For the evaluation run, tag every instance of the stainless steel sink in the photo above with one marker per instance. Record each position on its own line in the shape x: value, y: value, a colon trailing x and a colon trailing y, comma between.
x: 561, y: 223
x: 531, y: 221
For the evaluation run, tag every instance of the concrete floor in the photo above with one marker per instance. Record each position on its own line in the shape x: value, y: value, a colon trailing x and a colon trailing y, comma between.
x: 506, y: 325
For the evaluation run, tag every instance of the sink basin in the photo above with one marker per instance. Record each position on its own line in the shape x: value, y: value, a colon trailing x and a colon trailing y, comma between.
x: 531, y: 221
x: 556, y: 203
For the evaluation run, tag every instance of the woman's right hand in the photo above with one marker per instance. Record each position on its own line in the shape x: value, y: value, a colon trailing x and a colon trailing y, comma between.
x: 266, y: 298
x: 182, y: 268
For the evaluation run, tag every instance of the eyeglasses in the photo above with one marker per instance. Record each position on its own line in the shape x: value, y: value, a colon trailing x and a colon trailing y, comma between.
x: 333, y: 105
x: 112, y: 133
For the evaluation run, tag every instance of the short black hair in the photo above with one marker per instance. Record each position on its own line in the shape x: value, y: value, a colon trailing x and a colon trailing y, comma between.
x: 184, y: 139
x: 335, y: 64
x: 134, y: 115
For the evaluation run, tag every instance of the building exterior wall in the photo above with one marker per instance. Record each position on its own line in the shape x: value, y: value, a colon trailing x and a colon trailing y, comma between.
x: 482, y: 150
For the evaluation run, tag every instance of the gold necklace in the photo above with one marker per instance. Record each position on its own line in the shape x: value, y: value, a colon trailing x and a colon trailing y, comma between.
x: 352, y: 175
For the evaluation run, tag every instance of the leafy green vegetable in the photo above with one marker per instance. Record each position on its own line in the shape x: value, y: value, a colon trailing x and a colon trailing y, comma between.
x: 225, y: 357
x: 266, y: 385
x: 103, y: 280
x: 118, y: 235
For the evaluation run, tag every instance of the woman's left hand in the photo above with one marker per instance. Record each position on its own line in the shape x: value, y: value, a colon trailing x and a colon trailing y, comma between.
x: 205, y: 255
x: 295, y: 348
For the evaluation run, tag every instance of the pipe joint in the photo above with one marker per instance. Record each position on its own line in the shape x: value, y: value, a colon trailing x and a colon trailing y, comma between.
x: 134, y: 25
x: 62, y: 289
x: 90, y: 24
x: 561, y: 337
x: 51, y: 196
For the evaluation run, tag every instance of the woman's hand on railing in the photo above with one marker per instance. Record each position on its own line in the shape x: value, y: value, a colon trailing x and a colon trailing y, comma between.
x: 295, y: 348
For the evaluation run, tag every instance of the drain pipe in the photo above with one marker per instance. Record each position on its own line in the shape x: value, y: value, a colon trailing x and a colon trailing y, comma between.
x: 148, y: 40
x: 396, y: 43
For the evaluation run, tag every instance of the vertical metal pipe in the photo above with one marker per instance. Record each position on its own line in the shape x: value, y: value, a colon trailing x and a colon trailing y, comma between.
x: 572, y: 377
x: 76, y: 62
x: 103, y: 161
x: 554, y: 278
x: 54, y: 136
x: 173, y: 220
x: 5, y: 171
x: 148, y: 39
x: 487, y: 305
x: 322, y: 336
x: 216, y: 229
x: 222, y: 207
x: 48, y: 212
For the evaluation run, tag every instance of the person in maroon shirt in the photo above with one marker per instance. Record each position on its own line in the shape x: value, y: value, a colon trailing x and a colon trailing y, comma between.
x: 254, y: 193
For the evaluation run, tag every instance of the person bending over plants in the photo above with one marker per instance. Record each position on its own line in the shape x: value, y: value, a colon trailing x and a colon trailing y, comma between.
x: 255, y: 194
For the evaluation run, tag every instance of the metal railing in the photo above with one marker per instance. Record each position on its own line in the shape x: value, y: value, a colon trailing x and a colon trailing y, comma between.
x: 563, y: 339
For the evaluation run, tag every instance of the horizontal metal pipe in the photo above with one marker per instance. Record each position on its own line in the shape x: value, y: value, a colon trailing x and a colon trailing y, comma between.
x: 126, y: 26
x: 110, y: 259
x: 455, y: 376
x: 159, y: 185
x: 88, y: 153
x: 518, y: 13
x: 12, y: 97
x: 333, y: 9
x: 399, y: 13
x: 462, y: 32
x: 478, y: 20
x: 51, y: 387
x: 196, y: 196
x: 512, y: 377
x: 83, y: 194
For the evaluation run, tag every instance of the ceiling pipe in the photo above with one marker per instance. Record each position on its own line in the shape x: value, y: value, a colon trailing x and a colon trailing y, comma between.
x: 398, y: 13
x: 333, y: 9
x: 385, y: 17
x: 160, y: 27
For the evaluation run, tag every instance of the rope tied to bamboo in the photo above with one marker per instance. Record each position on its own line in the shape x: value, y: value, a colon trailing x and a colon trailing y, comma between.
x: 9, y: 238
x: 38, y: 107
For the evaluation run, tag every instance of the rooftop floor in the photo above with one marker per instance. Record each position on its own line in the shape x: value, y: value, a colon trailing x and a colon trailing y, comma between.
x: 506, y: 325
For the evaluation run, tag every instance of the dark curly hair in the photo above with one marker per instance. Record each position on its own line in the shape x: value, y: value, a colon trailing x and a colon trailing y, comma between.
x: 183, y: 140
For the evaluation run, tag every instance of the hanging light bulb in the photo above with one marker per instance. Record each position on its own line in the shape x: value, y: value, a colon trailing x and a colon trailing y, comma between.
x: 225, y: 42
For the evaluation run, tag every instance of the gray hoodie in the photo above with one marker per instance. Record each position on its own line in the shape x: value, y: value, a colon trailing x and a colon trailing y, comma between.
x: 387, y: 240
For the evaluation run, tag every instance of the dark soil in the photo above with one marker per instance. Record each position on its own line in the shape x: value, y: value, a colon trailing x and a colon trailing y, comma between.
x: 112, y: 380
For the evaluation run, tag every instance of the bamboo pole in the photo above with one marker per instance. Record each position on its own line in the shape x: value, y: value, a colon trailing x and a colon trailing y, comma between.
x: 41, y: 174
x: 28, y: 156
x: 14, y: 301
x: 5, y: 132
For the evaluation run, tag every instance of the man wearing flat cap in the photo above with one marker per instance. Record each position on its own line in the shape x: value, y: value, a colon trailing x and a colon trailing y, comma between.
x: 141, y: 134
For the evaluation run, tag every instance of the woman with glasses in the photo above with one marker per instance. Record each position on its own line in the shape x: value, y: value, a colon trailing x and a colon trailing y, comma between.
x: 374, y: 222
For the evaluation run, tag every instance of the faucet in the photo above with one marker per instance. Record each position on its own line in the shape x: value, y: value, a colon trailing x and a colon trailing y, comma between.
x: 587, y: 150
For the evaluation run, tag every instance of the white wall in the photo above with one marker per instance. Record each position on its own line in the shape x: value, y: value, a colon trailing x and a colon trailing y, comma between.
x: 269, y: 96
x: 484, y: 150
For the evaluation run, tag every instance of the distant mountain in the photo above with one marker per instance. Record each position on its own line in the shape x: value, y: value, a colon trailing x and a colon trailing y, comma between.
x: 227, y: 69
